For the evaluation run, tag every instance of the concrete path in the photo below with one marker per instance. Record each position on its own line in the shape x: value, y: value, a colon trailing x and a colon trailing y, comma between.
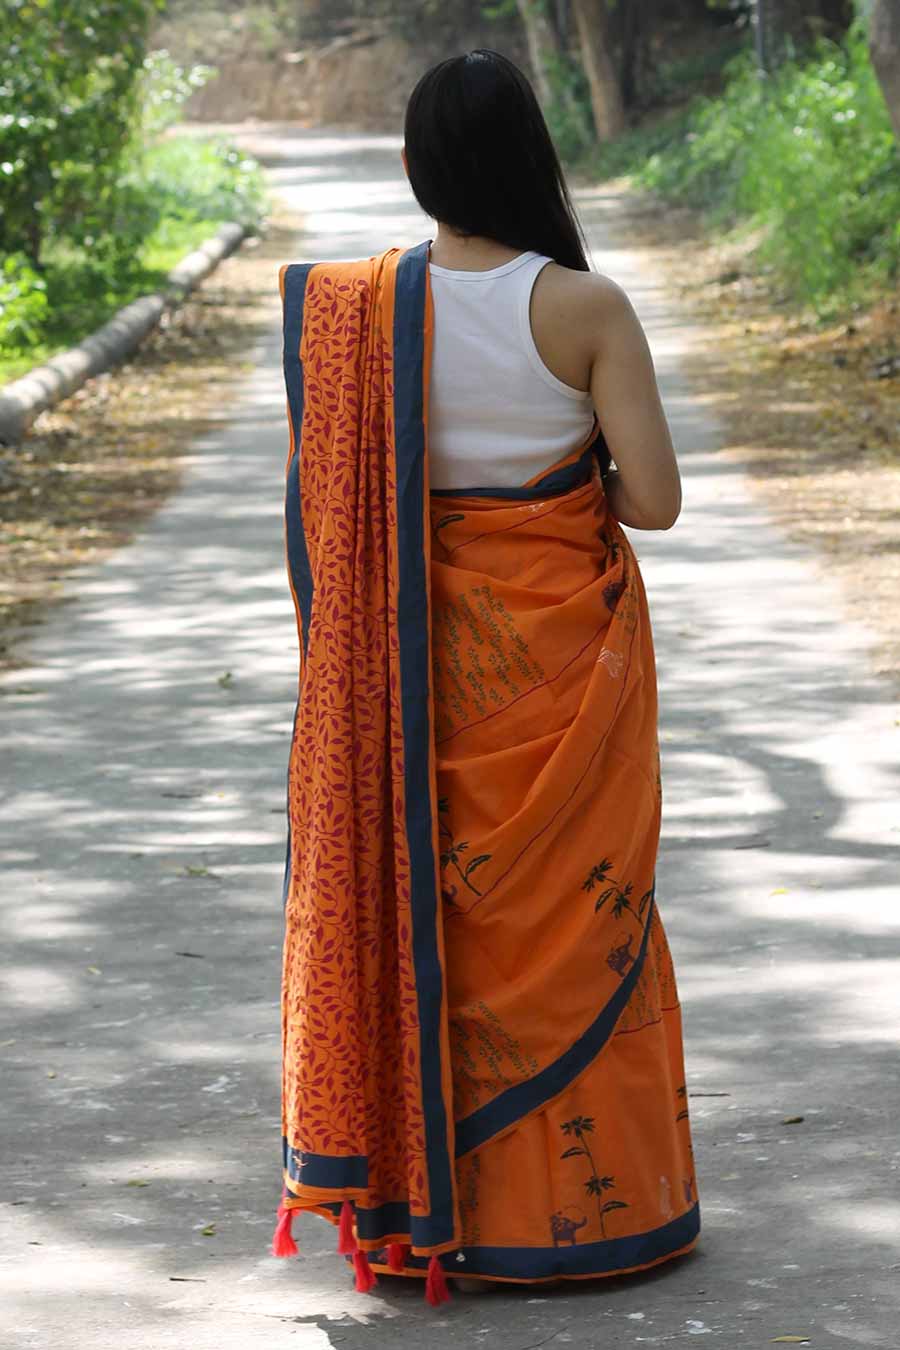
x: 144, y: 763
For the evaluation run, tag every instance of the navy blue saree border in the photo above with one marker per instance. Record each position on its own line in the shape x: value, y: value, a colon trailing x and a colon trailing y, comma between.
x: 415, y: 676
x: 609, y: 1256
x: 295, y: 279
x: 520, y: 1100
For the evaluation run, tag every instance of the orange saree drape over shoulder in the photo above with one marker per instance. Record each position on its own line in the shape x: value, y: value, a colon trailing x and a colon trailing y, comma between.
x: 482, y: 1055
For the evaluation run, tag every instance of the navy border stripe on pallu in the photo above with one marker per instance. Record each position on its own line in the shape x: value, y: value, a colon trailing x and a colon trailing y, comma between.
x: 605, y: 1257
x: 412, y: 604
x: 295, y: 279
x: 318, y: 1169
x: 519, y: 1101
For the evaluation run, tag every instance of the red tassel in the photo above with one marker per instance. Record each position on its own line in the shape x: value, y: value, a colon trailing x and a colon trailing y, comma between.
x: 283, y: 1243
x: 346, y: 1240
x: 396, y: 1255
x: 436, y: 1291
x: 365, y: 1275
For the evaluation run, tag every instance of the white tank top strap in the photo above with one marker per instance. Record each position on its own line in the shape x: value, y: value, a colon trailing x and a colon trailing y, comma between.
x: 530, y: 272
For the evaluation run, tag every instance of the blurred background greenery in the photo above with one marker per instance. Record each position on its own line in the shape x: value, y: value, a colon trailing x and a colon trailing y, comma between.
x: 781, y: 114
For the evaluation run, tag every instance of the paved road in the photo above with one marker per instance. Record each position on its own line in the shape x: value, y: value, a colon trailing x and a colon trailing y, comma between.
x: 143, y: 827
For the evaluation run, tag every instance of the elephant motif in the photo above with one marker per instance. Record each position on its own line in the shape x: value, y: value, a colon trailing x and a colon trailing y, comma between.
x: 621, y: 957
x: 564, y: 1227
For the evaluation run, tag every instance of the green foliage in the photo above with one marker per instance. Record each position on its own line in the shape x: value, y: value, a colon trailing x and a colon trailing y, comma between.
x: 569, y: 115
x: 164, y: 88
x: 808, y: 153
x: 68, y: 70
x: 23, y: 302
x: 107, y: 228
x: 190, y: 180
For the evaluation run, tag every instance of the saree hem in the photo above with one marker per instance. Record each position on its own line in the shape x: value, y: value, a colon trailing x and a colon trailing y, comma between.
x: 498, y: 1264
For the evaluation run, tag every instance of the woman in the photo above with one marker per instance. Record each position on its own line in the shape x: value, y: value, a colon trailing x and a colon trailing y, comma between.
x: 482, y: 1055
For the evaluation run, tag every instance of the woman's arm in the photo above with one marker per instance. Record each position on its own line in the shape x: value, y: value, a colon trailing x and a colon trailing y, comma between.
x: 644, y: 488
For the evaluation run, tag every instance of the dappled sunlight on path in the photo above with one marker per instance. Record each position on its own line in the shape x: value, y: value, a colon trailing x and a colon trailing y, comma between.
x: 145, y: 751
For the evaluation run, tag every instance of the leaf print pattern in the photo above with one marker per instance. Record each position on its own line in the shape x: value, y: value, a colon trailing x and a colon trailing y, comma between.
x: 348, y: 927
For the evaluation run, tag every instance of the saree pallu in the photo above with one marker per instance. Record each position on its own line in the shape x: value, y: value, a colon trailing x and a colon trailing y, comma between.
x: 482, y: 1064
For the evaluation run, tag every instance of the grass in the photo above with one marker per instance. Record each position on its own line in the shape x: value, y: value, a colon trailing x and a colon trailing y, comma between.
x: 81, y: 300
x: 807, y: 158
x: 177, y: 193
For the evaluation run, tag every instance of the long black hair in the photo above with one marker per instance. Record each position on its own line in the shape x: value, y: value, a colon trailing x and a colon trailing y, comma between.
x: 481, y: 159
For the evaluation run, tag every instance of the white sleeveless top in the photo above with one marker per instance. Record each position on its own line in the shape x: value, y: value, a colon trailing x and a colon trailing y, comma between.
x: 497, y: 415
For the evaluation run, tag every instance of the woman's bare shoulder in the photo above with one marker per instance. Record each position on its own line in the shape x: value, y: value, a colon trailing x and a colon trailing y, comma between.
x: 589, y: 312
x: 592, y: 293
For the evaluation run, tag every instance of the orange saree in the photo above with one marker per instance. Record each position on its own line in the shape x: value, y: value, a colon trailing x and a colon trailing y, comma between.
x: 482, y: 1066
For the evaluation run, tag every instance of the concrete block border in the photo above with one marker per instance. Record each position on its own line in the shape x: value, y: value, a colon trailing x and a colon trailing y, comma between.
x: 21, y: 400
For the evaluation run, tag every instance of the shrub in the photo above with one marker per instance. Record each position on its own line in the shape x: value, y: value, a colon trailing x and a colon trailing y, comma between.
x: 68, y: 70
x: 99, y: 233
x: 808, y: 153
x: 23, y: 303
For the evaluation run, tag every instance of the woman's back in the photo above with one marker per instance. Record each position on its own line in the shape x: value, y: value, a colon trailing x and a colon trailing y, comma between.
x: 498, y: 414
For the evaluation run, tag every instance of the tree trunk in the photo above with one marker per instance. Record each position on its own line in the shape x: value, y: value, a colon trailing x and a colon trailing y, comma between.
x: 884, y: 49
x: 542, y: 47
x: 635, y: 21
x: 546, y: 50
x: 592, y: 23
x: 835, y: 16
x: 780, y: 26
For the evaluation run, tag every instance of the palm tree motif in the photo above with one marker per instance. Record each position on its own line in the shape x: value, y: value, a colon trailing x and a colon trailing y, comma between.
x: 451, y: 855
x: 620, y: 895
x: 615, y: 891
x: 580, y: 1127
